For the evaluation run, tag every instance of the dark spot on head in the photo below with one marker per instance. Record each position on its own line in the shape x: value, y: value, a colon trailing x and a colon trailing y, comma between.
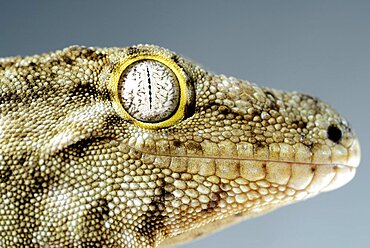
x: 5, y: 174
x: 193, y: 146
x: 190, y: 106
x: 161, y: 191
x: 272, y: 98
x: 83, y: 89
x: 79, y: 148
x: 334, y: 134
x: 258, y: 144
x: 157, y: 206
x: 7, y: 97
x: 110, y: 121
x: 191, y: 103
x: 176, y: 143
x: 7, y: 64
x: 300, y: 124
x: 175, y: 58
x: 224, y: 110
x: 91, y: 54
x: 238, y: 214
x: 223, y: 186
x: 92, y: 223
x: 313, y: 169
x: 348, y: 128
x: 101, y: 211
x: 23, y: 158
x: 41, y: 182
x: 36, y: 78
x: 308, y: 97
x: 270, y: 95
x: 168, y: 196
x: 256, y: 112
x: 67, y: 59
x: 210, y: 207
x: 309, y: 144
x: 132, y: 50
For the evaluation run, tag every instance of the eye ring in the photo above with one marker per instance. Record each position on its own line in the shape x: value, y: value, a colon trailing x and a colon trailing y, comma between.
x: 181, y: 77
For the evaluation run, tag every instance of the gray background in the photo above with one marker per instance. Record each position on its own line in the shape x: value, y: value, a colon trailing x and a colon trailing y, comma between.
x: 318, y: 47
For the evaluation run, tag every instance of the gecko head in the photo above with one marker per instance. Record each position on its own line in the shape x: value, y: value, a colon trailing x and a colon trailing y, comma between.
x: 244, y: 149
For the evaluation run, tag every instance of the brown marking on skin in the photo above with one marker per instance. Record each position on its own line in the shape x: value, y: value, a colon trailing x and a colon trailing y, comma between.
x: 85, y: 88
x: 272, y: 97
x: 213, y: 204
x: 193, y: 146
x: 306, y: 97
x: 238, y: 214
x: 176, y: 143
x: 132, y: 50
x: 7, y: 64
x: 299, y: 124
x: 258, y: 144
x: 5, y: 174
x: 82, y: 145
x: 93, y: 222
x: 264, y: 166
x: 91, y: 54
x: 67, y: 59
x: 224, y: 110
x: 175, y: 58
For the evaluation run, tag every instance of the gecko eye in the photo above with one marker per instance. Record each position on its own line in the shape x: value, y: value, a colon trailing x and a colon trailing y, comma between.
x: 150, y: 90
x: 334, y: 134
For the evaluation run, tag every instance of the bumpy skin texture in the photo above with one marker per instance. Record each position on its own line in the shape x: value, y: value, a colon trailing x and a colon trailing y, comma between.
x: 76, y: 173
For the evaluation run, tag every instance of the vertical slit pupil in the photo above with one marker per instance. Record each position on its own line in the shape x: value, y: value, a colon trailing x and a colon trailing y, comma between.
x: 334, y: 134
x: 149, y: 87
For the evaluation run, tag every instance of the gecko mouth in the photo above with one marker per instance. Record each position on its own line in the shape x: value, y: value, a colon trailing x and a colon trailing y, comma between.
x: 310, y: 177
x: 295, y: 167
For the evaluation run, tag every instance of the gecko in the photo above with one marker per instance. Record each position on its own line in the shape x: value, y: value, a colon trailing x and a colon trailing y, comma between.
x: 140, y: 147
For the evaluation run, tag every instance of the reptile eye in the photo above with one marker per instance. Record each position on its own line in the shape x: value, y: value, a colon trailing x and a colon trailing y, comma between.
x: 334, y: 134
x: 150, y: 90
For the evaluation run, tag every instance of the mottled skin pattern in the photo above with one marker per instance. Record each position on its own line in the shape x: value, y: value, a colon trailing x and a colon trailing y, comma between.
x: 75, y: 173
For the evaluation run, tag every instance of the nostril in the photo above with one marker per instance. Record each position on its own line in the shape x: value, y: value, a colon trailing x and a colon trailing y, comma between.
x: 334, y: 134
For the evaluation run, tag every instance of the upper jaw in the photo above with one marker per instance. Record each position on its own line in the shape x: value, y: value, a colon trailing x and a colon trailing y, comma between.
x: 345, y: 172
x: 354, y: 154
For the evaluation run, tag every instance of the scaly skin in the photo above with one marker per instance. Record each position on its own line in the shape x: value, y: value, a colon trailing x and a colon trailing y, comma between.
x: 76, y: 172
